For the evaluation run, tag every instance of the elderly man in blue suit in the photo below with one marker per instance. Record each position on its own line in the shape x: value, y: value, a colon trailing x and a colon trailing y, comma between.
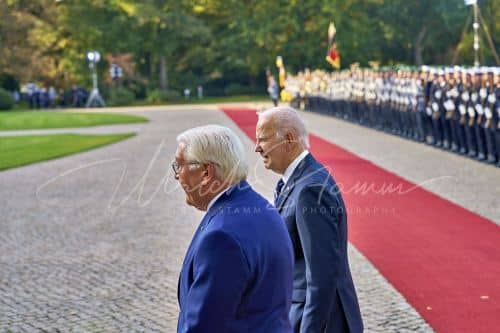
x: 324, y: 299
x: 237, y: 272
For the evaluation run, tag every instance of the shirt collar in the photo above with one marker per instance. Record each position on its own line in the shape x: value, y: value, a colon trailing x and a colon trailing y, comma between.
x: 214, y: 199
x: 291, y: 168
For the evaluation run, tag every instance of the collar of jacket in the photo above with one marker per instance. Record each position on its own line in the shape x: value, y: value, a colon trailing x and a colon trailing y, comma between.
x: 290, y: 184
x: 224, y: 199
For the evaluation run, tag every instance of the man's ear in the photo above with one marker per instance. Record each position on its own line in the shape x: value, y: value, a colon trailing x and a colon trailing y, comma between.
x: 208, y: 173
x: 289, y: 140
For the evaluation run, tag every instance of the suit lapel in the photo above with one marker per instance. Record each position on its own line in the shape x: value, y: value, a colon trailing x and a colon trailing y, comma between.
x: 294, y: 178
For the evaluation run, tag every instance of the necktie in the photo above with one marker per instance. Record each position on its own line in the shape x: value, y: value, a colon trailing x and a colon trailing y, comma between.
x: 278, y: 189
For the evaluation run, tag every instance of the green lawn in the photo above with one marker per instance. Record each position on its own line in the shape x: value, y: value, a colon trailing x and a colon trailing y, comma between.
x: 21, y: 150
x: 18, y: 120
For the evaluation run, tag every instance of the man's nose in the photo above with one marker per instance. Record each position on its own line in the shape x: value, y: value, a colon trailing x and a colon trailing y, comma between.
x: 258, y: 148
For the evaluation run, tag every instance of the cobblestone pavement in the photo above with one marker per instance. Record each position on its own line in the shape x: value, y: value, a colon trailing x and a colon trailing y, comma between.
x: 93, y: 242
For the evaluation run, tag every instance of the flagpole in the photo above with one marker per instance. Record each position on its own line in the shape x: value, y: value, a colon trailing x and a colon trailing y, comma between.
x: 475, y: 25
x: 476, y: 36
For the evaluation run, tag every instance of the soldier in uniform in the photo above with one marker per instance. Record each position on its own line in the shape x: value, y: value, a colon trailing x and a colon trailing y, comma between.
x: 419, y: 91
x: 479, y: 95
x: 386, y: 101
x: 403, y: 105
x: 494, y: 104
x: 447, y: 110
x: 471, y: 97
x: 451, y: 94
x: 394, y: 104
x: 496, y: 111
x: 429, y: 83
x: 379, y: 90
x: 352, y: 100
x: 460, y: 111
x: 412, y: 110
x: 489, y: 110
x: 360, y: 92
x: 348, y: 94
x: 371, y: 99
x: 436, y: 106
x: 306, y: 89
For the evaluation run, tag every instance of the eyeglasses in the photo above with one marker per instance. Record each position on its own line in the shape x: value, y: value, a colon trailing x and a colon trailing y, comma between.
x: 177, y: 167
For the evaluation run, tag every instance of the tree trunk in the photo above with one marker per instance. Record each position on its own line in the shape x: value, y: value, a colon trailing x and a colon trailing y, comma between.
x: 163, y: 74
x: 418, y: 46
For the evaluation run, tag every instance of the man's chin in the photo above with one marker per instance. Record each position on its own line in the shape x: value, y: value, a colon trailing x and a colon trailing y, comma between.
x: 192, y: 204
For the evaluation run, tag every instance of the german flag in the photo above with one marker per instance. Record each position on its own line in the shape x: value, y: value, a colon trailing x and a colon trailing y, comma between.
x: 332, y: 55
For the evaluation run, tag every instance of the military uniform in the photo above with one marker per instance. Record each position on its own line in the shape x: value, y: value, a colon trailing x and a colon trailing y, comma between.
x: 436, y: 101
x: 477, y: 97
x: 451, y: 96
x: 455, y: 109
x: 490, y: 118
x: 496, y: 112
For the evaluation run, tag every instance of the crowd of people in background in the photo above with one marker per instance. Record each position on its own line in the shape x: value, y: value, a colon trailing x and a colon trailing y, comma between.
x: 454, y: 108
x: 45, y: 98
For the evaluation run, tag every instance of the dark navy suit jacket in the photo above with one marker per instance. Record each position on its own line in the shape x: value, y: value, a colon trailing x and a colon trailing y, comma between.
x: 237, y: 273
x: 324, y: 298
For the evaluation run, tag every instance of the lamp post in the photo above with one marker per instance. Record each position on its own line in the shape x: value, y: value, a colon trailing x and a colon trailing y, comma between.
x: 95, y: 98
x: 475, y: 26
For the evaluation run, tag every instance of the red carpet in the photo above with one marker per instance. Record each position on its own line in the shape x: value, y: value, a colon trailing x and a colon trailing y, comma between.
x: 443, y: 258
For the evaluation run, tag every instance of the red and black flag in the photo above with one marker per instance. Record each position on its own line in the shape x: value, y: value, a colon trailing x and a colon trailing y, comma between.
x: 332, y: 55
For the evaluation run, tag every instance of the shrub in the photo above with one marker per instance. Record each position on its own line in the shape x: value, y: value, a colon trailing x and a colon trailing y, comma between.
x: 6, y: 100
x: 158, y: 96
x: 120, y: 97
x: 8, y: 82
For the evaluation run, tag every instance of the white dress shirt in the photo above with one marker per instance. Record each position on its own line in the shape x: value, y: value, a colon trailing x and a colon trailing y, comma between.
x: 291, y: 168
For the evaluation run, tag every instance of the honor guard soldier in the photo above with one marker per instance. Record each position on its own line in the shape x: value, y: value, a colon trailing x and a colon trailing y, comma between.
x: 451, y: 94
x: 371, y: 99
x: 496, y: 112
x: 386, y: 101
x: 479, y: 95
x: 489, y: 110
x: 447, y: 109
x: 420, y: 96
x: 469, y: 114
x: 456, y: 125
x: 463, y: 100
x: 436, y: 105
x: 379, y: 90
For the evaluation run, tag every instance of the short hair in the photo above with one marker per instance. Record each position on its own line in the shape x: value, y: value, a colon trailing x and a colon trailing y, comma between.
x: 217, y: 145
x: 287, y: 119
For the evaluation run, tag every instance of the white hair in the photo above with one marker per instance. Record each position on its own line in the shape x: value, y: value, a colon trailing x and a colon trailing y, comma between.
x: 217, y: 145
x: 287, y: 119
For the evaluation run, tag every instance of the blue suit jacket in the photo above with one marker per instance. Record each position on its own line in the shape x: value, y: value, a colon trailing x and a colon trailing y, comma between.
x: 324, y: 298
x: 237, y: 273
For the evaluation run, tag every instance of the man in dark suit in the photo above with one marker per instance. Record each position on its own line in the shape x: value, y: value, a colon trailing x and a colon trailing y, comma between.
x: 237, y: 273
x: 324, y: 298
